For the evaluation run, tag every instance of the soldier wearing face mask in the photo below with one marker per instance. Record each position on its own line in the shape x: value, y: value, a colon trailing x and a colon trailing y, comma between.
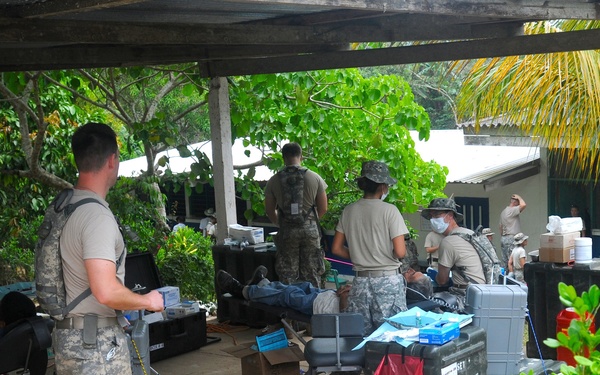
x: 454, y: 252
x: 371, y: 234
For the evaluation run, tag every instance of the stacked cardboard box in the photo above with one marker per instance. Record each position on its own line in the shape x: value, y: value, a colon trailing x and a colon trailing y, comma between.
x: 558, y: 248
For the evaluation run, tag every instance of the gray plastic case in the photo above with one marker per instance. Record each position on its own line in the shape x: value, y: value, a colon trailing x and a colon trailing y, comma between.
x: 500, y: 310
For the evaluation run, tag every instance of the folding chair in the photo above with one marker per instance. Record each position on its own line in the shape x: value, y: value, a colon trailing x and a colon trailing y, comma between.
x: 27, y: 341
x: 334, y: 336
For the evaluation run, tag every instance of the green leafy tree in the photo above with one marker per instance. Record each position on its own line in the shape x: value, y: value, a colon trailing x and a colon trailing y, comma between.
x: 554, y: 97
x: 341, y: 119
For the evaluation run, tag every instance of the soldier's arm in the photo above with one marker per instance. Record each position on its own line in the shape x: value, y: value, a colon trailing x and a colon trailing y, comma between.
x: 338, y: 246
x: 321, y: 202
x: 399, y: 246
x: 271, y: 208
x: 102, y: 275
x: 443, y: 275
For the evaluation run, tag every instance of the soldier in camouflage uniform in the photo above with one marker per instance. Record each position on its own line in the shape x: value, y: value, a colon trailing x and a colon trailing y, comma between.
x: 374, y: 231
x: 90, y: 340
x: 293, y: 199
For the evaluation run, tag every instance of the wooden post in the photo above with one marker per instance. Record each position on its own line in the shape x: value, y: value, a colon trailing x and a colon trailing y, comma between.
x: 220, y: 129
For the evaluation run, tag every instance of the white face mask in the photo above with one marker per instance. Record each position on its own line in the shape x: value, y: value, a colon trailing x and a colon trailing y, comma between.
x: 438, y: 224
x: 384, y: 195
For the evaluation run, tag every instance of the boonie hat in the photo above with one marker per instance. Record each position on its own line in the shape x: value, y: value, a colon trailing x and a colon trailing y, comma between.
x: 210, y: 212
x: 487, y: 232
x: 519, y: 238
x: 377, y: 171
x: 442, y: 204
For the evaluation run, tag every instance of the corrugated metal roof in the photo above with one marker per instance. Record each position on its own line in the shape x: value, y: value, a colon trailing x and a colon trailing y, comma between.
x: 472, y: 164
x: 486, y: 174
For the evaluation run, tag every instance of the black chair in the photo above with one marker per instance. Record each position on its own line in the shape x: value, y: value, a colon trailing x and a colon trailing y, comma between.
x: 25, y: 345
x: 334, y: 336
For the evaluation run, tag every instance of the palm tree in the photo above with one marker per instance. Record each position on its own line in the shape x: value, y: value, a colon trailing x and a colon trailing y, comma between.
x: 555, y: 97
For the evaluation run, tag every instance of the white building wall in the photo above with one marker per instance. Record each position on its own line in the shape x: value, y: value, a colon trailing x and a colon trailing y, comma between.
x: 534, y: 218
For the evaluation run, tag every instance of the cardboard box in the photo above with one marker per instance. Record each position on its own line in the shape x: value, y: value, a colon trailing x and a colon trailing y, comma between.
x: 558, y: 241
x: 253, y: 235
x: 438, y: 333
x: 284, y: 361
x: 170, y: 295
x: 557, y: 255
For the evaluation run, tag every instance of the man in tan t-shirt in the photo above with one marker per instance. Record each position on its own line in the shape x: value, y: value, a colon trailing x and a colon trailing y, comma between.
x: 90, y: 340
x: 455, y: 253
x: 510, y: 224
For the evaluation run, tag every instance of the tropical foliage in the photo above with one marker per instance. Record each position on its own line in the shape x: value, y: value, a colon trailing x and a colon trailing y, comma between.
x: 186, y: 260
x: 341, y: 119
x: 580, y: 338
x: 554, y: 97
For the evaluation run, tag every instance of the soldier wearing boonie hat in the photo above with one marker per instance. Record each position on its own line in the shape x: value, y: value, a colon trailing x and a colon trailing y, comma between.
x: 371, y: 227
x: 518, y: 256
x: 453, y: 251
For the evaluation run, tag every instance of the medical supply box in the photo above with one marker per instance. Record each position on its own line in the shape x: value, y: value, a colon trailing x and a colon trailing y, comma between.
x: 438, y: 333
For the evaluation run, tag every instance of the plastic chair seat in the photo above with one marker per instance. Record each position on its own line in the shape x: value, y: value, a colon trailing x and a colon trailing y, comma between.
x: 321, y: 352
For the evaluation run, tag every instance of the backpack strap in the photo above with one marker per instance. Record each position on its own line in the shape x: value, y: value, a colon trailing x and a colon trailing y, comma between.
x: 461, y: 270
x: 69, y: 209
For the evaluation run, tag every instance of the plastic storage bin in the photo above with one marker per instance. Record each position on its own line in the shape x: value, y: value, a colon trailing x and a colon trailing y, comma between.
x: 241, y: 265
x: 171, y: 337
x: 465, y: 355
x: 500, y: 310
x: 542, y: 300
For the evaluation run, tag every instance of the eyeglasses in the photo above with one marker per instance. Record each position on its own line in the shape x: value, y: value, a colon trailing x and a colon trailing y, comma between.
x: 436, y: 214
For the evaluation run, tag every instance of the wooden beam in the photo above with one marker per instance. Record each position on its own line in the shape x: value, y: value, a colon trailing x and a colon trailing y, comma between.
x: 520, y: 45
x: 392, y: 29
x: 93, y: 56
x: 542, y: 9
x: 66, y: 7
x: 225, y: 61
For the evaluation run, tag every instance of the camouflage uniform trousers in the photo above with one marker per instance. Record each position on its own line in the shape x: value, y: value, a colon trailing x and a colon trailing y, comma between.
x: 506, y: 242
x: 109, y: 357
x: 299, y: 255
x: 377, y: 298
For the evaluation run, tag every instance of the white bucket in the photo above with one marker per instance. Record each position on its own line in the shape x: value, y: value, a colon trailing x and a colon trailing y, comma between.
x: 583, y: 249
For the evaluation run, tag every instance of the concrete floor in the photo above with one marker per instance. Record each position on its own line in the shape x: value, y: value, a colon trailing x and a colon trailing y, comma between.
x: 211, y: 359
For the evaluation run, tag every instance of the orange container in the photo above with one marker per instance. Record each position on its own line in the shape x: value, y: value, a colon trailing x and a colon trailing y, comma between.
x: 563, y: 320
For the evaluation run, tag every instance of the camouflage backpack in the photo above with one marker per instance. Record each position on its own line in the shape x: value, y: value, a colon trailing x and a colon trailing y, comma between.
x: 292, y: 189
x: 49, y: 282
x: 487, y: 255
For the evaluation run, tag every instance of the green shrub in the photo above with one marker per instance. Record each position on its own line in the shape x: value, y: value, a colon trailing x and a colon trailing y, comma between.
x: 16, y: 263
x: 581, y: 341
x: 186, y: 261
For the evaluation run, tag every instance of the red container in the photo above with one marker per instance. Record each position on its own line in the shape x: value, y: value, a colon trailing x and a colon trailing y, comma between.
x: 563, y: 320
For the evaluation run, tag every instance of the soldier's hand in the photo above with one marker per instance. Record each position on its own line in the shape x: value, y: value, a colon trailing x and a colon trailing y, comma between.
x: 155, y: 301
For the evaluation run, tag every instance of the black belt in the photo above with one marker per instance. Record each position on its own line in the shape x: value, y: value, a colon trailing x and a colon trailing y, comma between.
x: 376, y: 273
x: 77, y: 323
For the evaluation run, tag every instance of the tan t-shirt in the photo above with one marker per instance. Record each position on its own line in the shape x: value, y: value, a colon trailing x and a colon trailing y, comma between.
x: 90, y: 233
x: 454, y: 251
x: 433, y: 239
x: 369, y: 226
x: 313, y: 185
x: 510, y: 221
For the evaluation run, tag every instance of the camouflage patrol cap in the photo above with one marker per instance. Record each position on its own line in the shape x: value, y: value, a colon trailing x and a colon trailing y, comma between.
x: 377, y: 171
x: 442, y: 204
